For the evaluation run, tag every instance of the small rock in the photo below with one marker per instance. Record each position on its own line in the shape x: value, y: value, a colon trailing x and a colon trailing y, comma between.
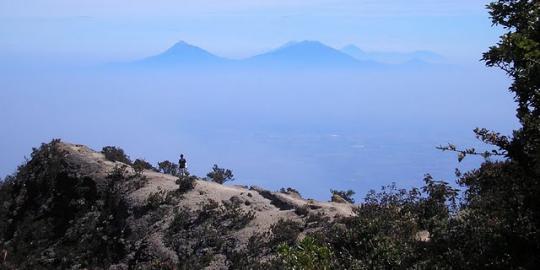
x: 422, y: 236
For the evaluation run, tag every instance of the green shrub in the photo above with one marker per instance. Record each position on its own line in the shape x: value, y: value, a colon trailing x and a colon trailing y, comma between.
x: 119, y: 173
x: 186, y: 183
x: 346, y: 195
x: 384, y: 232
x: 308, y: 254
x: 317, y: 219
x: 113, y: 153
x: 285, y: 231
x: 302, y: 210
x: 290, y: 190
x: 139, y: 165
x: 168, y: 167
x: 155, y: 199
x: 220, y: 175
x: 197, y: 236
x: 130, y: 182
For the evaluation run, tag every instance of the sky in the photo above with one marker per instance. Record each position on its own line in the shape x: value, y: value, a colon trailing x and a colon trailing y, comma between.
x: 100, y: 31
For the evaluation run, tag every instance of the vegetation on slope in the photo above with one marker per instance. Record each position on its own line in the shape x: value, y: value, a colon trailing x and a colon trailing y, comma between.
x: 52, y: 218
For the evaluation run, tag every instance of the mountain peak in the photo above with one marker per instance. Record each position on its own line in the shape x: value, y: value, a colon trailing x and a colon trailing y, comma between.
x: 182, y: 46
x: 183, y: 53
x: 305, y: 53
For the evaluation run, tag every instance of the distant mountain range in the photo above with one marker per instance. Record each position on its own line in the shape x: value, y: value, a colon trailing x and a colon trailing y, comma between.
x: 393, y: 57
x: 310, y: 53
x: 304, y: 54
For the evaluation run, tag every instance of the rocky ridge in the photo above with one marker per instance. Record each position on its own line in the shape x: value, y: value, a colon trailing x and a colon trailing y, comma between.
x: 70, y: 208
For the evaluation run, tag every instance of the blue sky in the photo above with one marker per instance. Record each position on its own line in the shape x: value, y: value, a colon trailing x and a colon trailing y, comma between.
x: 127, y: 29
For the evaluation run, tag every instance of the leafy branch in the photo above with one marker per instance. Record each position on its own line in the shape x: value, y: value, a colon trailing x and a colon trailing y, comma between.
x: 462, y: 153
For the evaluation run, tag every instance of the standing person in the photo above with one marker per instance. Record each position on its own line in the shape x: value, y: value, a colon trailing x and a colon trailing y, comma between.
x: 182, y: 165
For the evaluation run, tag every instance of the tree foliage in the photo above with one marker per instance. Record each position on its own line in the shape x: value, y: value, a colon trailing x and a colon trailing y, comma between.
x: 308, y: 254
x: 501, y: 198
x: 139, y: 165
x: 114, y: 154
x: 220, y: 175
x: 186, y: 183
x: 518, y: 54
x: 168, y: 167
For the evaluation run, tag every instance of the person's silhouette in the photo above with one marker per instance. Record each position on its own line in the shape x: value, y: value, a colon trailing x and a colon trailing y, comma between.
x: 182, y: 165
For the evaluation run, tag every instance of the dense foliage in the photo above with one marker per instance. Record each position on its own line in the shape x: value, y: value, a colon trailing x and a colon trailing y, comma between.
x: 220, y: 175
x: 52, y: 219
x: 186, y: 182
x: 197, y: 236
x: 114, y: 153
x: 168, y: 167
x: 309, y: 254
x: 139, y: 165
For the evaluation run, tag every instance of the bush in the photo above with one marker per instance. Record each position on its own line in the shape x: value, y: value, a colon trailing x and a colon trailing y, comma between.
x: 290, y: 190
x: 197, y: 236
x: 261, y: 251
x: 346, y: 195
x: 302, y: 210
x: 137, y: 183
x: 119, y: 173
x: 156, y: 199
x: 384, y: 233
x: 130, y: 182
x: 168, y: 167
x: 220, y: 175
x: 308, y: 254
x: 317, y: 219
x: 186, y: 183
x: 285, y: 231
x: 139, y: 165
x: 113, y: 153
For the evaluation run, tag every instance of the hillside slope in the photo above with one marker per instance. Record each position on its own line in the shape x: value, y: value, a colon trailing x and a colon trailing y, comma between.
x: 69, y: 207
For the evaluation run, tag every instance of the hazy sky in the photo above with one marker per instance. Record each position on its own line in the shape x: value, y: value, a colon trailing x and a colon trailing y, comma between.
x: 126, y: 29
x: 376, y: 129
